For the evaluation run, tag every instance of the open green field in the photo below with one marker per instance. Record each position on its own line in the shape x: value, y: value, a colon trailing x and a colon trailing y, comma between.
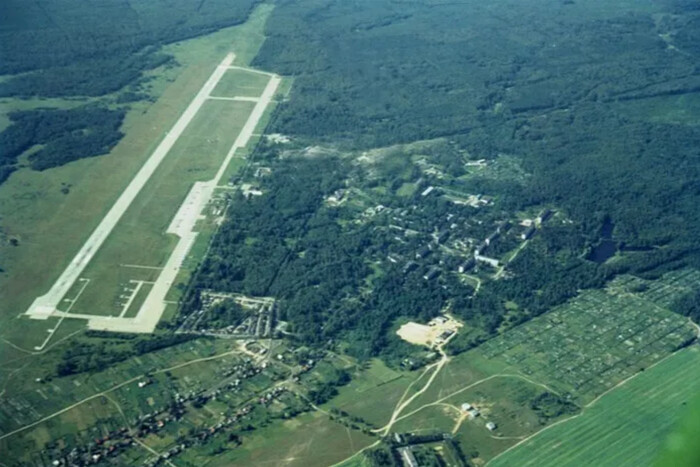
x: 308, y: 440
x: 139, y: 239
x: 51, y: 226
x: 373, y: 394
x: 627, y: 426
x: 240, y: 83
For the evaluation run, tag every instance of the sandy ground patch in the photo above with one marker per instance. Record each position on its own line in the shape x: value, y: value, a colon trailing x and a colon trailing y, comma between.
x: 433, y: 333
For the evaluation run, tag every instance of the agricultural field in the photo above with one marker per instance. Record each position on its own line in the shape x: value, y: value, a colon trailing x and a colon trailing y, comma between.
x: 590, y: 344
x: 627, y: 426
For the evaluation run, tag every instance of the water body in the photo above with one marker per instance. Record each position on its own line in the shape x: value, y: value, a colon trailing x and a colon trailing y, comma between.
x: 606, y: 247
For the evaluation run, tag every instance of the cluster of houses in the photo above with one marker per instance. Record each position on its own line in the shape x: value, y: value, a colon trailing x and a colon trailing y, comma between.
x: 115, y: 442
x: 260, y: 323
x: 402, y: 446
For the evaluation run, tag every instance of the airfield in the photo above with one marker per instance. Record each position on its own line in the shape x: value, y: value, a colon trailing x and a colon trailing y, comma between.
x: 120, y: 278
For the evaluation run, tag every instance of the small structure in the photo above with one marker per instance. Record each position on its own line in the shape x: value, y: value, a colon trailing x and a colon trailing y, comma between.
x: 473, y: 413
x: 427, y: 191
x: 490, y: 426
x: 466, y: 406
x: 528, y: 233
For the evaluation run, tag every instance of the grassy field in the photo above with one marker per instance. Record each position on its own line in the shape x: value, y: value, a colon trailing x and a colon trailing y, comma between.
x: 374, y: 393
x: 50, y: 225
x: 309, y: 440
x: 628, y: 426
x: 240, y: 83
x: 139, y: 237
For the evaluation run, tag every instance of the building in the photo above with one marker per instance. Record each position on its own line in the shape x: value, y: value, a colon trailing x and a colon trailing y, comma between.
x: 442, y: 236
x: 473, y: 413
x: 407, y: 457
x: 544, y: 215
x: 491, y: 238
x: 503, y: 227
x: 427, y: 191
x: 490, y: 426
x: 466, y: 406
x: 528, y: 233
x: 485, y: 259
x: 431, y: 274
x: 440, y: 319
x: 467, y: 265
x: 480, y: 249
x: 423, y: 252
x: 410, y: 266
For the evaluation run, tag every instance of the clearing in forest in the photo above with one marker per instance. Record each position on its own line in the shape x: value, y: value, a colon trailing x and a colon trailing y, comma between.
x: 435, y: 332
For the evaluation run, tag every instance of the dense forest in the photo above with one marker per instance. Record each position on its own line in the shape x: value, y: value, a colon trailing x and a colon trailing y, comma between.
x: 61, y: 136
x: 70, y: 47
x: 548, y: 81
x: 570, y: 89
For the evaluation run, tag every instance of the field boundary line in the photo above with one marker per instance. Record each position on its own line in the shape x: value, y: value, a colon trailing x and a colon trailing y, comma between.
x: 584, y: 408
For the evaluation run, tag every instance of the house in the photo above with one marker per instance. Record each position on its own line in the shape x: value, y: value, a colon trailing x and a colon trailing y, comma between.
x: 491, y: 426
x: 431, y: 274
x: 466, y: 406
x: 473, y: 413
x: 440, y: 319
x: 528, y: 233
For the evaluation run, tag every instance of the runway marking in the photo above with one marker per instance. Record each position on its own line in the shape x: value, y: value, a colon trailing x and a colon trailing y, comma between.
x: 237, y: 98
x: 138, y: 266
x: 53, y: 331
